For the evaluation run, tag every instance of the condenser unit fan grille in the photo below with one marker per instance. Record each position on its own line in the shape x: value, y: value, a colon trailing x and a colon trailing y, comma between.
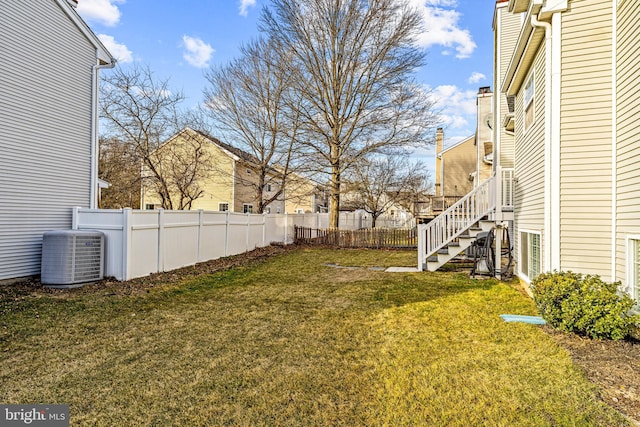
x: 71, y: 257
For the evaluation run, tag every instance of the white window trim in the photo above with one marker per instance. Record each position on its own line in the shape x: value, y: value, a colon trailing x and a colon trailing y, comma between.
x: 244, y: 207
x: 630, y: 284
x: 525, y: 104
x: 525, y: 275
x: 224, y: 203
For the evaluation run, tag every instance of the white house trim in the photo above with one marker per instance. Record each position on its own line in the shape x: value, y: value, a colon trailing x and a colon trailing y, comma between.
x: 629, y: 282
x: 614, y: 139
x: 548, y: 175
x: 95, y: 80
x: 497, y: 110
x: 556, y: 74
x: 523, y: 274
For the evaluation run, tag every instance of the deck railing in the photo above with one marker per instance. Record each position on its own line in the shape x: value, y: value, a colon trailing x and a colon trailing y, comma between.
x: 455, y: 220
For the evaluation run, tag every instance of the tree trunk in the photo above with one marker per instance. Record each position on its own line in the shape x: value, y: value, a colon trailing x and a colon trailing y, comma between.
x: 334, y: 212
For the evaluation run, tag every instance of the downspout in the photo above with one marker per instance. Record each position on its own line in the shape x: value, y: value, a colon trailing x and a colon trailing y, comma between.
x: 614, y: 142
x: 93, y: 194
x: 548, y: 176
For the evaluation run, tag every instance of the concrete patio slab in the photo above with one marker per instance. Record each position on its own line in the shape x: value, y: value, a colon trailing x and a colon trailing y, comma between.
x: 402, y: 270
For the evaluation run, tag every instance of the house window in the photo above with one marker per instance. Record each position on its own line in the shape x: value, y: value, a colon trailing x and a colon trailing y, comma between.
x: 529, y: 91
x: 268, y: 210
x: 530, y: 254
x: 223, y: 207
x: 278, y: 210
x: 634, y: 268
x: 267, y: 187
x: 247, y: 208
x: 299, y: 211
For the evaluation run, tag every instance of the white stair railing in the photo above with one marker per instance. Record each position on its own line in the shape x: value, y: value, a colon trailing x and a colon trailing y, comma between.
x: 454, y: 221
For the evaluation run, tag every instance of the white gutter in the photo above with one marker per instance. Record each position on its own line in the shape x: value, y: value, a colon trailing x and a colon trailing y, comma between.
x: 94, y: 130
x: 547, y: 146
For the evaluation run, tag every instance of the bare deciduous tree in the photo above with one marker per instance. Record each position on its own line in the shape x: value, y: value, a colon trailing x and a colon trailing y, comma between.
x: 353, y: 64
x: 144, y: 112
x: 250, y: 101
x: 118, y: 166
x: 376, y: 185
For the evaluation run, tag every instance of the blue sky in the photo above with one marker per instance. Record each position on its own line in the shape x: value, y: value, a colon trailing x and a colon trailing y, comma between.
x: 180, y: 40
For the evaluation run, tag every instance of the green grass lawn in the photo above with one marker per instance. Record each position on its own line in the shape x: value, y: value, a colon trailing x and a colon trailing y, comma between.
x: 292, y: 341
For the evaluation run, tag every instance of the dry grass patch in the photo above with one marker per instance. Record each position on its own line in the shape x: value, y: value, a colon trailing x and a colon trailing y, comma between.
x: 290, y: 341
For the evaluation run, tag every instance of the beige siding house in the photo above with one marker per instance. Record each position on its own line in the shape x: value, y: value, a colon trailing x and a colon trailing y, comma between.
x: 567, y: 75
x: 455, y: 166
x: 48, y: 125
x: 577, y: 178
x: 232, y: 179
x: 462, y: 166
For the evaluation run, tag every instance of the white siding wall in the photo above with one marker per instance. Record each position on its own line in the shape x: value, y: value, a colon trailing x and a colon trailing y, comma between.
x: 628, y: 129
x: 585, y: 157
x: 45, y: 128
x: 529, y: 159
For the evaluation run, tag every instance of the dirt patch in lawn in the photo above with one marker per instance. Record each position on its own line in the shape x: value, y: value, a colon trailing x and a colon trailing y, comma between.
x: 613, y: 365
x: 142, y: 284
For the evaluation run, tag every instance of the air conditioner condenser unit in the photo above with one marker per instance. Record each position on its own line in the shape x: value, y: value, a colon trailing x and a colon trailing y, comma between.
x: 71, y: 258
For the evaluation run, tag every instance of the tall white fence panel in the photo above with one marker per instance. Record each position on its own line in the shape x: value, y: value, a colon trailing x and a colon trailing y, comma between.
x: 213, y: 237
x: 142, y: 242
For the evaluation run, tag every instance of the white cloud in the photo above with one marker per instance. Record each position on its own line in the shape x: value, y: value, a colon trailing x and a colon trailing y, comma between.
x: 457, y: 108
x: 245, y: 5
x: 476, y: 77
x: 441, y: 27
x: 103, y: 12
x: 118, y: 50
x: 197, y: 52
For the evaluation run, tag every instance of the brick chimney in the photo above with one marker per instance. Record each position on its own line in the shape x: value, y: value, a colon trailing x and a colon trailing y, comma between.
x: 439, y: 140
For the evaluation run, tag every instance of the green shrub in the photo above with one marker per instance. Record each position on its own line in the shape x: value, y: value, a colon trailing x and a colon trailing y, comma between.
x: 583, y: 305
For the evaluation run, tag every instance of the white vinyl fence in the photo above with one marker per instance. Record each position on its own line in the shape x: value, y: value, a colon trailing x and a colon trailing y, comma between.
x: 142, y: 242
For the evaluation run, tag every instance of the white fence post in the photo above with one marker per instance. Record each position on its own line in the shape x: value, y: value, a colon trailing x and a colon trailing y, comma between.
x: 248, y: 231
x: 160, y: 267
x: 286, y: 228
x: 126, y: 243
x: 200, y: 226
x: 226, y: 235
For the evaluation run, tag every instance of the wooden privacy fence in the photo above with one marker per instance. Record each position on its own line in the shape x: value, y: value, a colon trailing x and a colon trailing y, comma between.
x: 377, y: 238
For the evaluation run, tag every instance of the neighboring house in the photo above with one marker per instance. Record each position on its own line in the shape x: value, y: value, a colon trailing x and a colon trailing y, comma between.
x: 232, y: 180
x: 567, y: 121
x: 464, y: 165
x: 48, y: 125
